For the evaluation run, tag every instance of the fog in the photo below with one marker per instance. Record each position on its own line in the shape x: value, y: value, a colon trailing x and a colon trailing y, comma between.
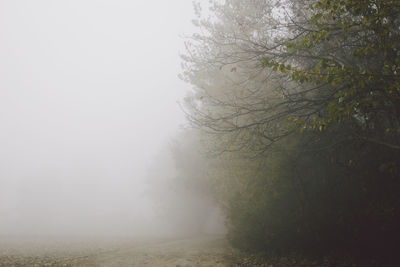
x: 88, y: 99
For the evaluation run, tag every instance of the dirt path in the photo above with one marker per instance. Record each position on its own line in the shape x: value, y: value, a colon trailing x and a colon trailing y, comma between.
x: 199, y: 251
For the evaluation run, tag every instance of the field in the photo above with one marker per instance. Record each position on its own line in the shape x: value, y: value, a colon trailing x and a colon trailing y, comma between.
x: 199, y: 251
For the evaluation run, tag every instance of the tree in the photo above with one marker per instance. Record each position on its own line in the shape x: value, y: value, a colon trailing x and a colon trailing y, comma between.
x: 303, y: 96
x: 340, y: 63
x: 236, y: 98
x: 352, y: 49
x: 177, y: 186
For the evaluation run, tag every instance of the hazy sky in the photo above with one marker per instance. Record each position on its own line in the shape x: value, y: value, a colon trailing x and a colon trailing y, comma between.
x: 88, y: 94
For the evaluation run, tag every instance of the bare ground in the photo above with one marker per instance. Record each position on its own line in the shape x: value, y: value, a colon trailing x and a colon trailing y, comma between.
x: 199, y: 251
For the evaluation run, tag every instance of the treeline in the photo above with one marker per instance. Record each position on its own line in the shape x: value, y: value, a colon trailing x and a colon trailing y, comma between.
x: 298, y: 106
x: 179, y: 195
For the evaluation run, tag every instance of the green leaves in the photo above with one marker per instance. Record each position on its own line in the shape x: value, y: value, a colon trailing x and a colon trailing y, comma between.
x: 315, y: 18
x: 309, y: 136
x: 361, y: 31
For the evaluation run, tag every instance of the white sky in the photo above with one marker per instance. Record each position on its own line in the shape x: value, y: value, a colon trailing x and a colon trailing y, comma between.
x: 88, y: 94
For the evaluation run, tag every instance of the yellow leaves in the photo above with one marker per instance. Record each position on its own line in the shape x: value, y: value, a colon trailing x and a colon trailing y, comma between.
x: 388, y: 166
x: 282, y: 68
x: 364, y: 21
x: 324, y: 34
x: 337, y: 81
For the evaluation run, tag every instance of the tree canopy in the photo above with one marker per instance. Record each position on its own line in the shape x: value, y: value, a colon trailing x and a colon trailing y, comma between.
x: 298, y: 103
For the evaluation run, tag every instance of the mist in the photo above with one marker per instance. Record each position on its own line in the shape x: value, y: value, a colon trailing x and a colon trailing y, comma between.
x: 88, y: 98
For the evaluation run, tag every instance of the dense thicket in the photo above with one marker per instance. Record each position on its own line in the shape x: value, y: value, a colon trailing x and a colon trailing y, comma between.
x: 299, y: 104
